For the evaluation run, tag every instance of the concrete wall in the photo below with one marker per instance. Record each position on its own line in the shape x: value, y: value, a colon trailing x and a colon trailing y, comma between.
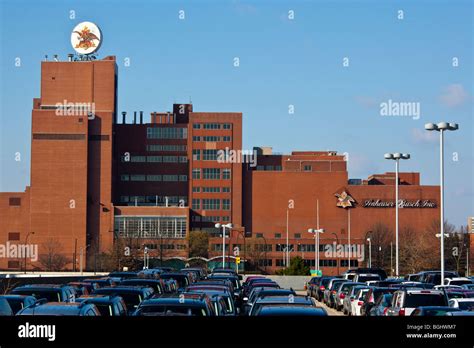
x: 295, y: 282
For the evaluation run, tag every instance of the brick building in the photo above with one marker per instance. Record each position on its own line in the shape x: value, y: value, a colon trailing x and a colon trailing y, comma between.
x: 97, y: 176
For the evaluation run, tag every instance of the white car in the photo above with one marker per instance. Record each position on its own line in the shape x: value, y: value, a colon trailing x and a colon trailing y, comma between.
x: 447, y: 287
x: 457, y: 281
x: 464, y: 304
x: 405, y: 301
x: 358, y: 302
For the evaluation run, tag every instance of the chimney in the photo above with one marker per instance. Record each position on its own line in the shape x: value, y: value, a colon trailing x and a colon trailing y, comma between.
x: 141, y: 117
x: 56, y: 58
x: 69, y: 56
x: 45, y: 57
x: 134, y: 117
x: 124, y: 116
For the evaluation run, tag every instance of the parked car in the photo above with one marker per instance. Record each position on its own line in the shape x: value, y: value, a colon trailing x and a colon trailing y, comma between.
x: 235, y: 283
x: 50, y: 292
x: 459, y: 293
x: 83, y: 288
x: 464, y: 304
x: 311, y: 284
x: 200, y: 271
x: 342, y: 291
x: 282, y: 301
x: 5, y: 309
x: 468, y: 286
x: 433, y: 311
x: 60, y: 309
x: 371, y: 297
x: 458, y: 281
x: 405, y: 301
x: 117, y: 275
x: 331, y: 289
x: 350, y: 297
x: 101, y: 282
x: 358, y: 302
x: 109, y: 306
x: 319, y: 291
x: 434, y: 277
x: 365, y: 277
x: 176, y: 304
x: 381, y: 305
x: 182, y: 279
x: 220, y: 298
x: 265, y: 292
x: 132, y: 295
x: 156, y: 284
x: 295, y: 310
x: 18, y: 302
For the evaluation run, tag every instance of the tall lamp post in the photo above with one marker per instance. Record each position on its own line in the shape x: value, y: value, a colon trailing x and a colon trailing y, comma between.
x: 26, y: 243
x: 337, y: 243
x: 396, y: 157
x: 370, y: 252
x: 229, y: 226
x: 316, y: 233
x: 441, y: 127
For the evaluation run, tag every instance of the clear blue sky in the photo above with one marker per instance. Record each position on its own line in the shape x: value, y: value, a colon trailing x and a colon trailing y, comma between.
x: 282, y: 62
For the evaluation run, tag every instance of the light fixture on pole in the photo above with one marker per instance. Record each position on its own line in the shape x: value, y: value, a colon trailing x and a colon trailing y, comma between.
x: 396, y: 157
x: 229, y: 226
x: 441, y: 127
x: 370, y: 252
x: 316, y: 233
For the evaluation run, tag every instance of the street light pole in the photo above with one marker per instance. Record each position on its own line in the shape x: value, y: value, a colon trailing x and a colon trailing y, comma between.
x: 337, y: 244
x: 26, y: 243
x: 370, y: 252
x: 396, y: 157
x: 265, y: 246
x: 316, y: 233
x: 229, y: 226
x: 287, y: 238
x: 441, y: 127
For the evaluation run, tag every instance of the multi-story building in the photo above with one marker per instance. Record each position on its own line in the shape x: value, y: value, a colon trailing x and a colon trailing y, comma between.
x: 98, y: 178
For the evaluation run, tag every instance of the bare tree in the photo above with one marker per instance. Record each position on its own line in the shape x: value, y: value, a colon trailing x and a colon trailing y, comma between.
x: 52, y: 259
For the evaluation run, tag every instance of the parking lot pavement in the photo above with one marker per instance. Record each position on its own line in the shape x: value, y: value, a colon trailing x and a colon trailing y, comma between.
x: 330, y: 311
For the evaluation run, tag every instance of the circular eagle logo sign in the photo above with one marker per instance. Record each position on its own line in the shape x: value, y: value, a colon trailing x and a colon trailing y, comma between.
x: 86, y: 38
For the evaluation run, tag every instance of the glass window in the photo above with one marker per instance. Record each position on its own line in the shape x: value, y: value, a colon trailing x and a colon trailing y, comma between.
x: 153, y: 178
x: 226, y: 138
x: 226, y: 204
x: 196, y: 189
x: 209, y: 155
x: 137, y: 177
x: 183, y: 178
x: 211, y: 173
x: 197, y: 173
x: 167, y: 133
x: 226, y: 174
x: 138, y: 159
x: 196, y: 203
x: 170, y: 178
x: 196, y: 155
x: 196, y: 126
x: 307, y: 168
x: 226, y: 189
x: 154, y: 158
x: 211, y: 204
x: 124, y: 177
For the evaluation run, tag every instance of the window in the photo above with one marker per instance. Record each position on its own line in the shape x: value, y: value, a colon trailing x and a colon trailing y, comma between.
x: 14, y: 201
x: 227, y: 126
x: 212, y: 126
x: 259, y: 235
x: 260, y: 167
x: 278, y: 168
x: 211, y: 173
x: 307, y: 168
x: 156, y: 147
x: 183, y: 178
x: 226, y: 204
x: 226, y: 218
x: 211, y: 218
x: 196, y: 138
x: 196, y: 189
x: 170, y: 178
x: 211, y: 204
x: 183, y: 159
x: 167, y: 133
x: 226, y: 174
x: 197, y: 173
x: 150, y: 227
x: 226, y: 138
x: 137, y: 177
x: 209, y: 155
x: 297, y: 235
x: 170, y: 159
x: 196, y: 126
x: 13, y: 264
x: 277, y: 235
x: 196, y: 155
x: 153, y: 178
x: 270, y: 168
x: 154, y: 159
x: 138, y: 159
x: 211, y: 138
x: 14, y: 236
x: 280, y: 263
x: 226, y: 189
x: 196, y: 204
x: 211, y: 189
x: 124, y: 177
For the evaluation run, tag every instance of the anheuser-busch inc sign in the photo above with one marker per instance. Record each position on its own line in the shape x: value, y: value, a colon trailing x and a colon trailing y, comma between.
x: 380, y: 203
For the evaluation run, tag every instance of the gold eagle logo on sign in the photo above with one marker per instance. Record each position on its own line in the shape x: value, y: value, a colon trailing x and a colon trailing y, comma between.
x: 344, y: 200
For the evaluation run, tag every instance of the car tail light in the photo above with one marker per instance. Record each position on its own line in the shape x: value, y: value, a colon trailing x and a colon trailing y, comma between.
x: 322, y: 288
x: 360, y: 303
x: 342, y: 295
x: 352, y: 300
x: 334, y: 291
x: 385, y: 310
x: 401, y: 312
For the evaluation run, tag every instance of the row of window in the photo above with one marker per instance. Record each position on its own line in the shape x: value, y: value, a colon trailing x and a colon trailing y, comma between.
x: 211, y: 138
x: 165, y: 246
x: 166, y: 133
x: 197, y: 189
x: 154, y: 177
x: 160, y: 200
x: 159, y: 147
x: 270, y: 168
x: 211, y: 173
x: 207, y: 155
x: 210, y: 204
x: 155, y: 159
x: 212, y: 126
x: 197, y: 218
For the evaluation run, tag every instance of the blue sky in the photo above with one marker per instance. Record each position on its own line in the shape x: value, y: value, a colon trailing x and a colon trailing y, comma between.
x: 282, y: 62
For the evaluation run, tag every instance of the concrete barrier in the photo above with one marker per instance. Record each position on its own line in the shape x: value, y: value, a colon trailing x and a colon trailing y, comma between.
x: 295, y: 282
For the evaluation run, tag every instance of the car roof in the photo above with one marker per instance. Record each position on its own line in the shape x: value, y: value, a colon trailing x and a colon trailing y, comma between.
x: 292, y: 310
x: 122, y: 288
x: 43, y: 286
x: 284, y: 299
x: 52, y: 307
x: 17, y: 296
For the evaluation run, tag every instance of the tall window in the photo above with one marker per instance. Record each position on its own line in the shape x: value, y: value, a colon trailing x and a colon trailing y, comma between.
x: 211, y: 204
x: 226, y: 204
x: 209, y: 155
x: 226, y: 174
x: 196, y: 203
x: 197, y: 173
x: 196, y: 155
x: 211, y: 173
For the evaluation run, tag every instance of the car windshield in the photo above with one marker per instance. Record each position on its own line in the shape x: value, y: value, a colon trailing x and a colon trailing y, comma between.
x: 367, y: 278
x: 459, y: 282
x: 418, y: 300
x: 15, y: 304
x: 466, y: 305
x: 49, y: 295
x: 105, y: 309
x: 437, y: 312
x: 170, y: 309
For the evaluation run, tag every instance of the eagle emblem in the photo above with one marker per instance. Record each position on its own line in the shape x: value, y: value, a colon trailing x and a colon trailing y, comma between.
x: 86, y: 38
x: 344, y: 200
